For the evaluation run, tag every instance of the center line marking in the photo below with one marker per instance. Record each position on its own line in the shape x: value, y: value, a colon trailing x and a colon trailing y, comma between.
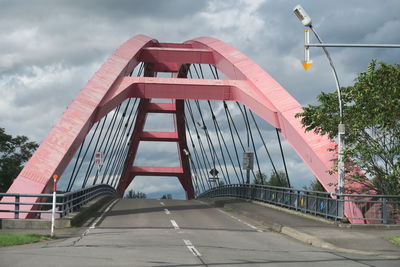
x: 167, y: 211
x: 174, y: 224
x: 162, y: 203
x: 191, y: 248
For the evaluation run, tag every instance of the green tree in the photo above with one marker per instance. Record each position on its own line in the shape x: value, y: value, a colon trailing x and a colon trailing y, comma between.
x: 372, y: 119
x: 14, y: 153
x: 260, y: 178
x: 278, y: 179
x: 133, y: 194
x: 315, y: 186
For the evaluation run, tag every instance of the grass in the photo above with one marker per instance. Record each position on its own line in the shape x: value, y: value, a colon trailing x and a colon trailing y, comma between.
x: 8, y: 239
x: 394, y: 239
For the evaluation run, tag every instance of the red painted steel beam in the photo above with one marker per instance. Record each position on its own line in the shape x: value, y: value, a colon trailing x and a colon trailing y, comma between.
x: 161, y: 108
x: 177, y: 55
x: 202, y: 89
x: 155, y: 171
x: 159, y: 136
x: 166, y: 67
x: 186, y: 177
x: 173, y: 45
x: 134, y: 141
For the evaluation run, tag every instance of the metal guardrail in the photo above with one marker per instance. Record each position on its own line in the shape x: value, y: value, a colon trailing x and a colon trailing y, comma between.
x: 65, y: 203
x: 375, y: 208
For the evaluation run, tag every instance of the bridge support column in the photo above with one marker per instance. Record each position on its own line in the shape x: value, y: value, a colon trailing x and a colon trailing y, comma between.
x: 179, y: 136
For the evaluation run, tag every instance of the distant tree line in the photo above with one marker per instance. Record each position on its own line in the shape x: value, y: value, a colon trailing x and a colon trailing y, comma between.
x: 133, y: 194
x: 166, y: 196
x: 279, y: 179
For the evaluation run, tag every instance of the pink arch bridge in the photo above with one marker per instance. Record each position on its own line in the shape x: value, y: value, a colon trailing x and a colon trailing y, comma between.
x: 247, y: 83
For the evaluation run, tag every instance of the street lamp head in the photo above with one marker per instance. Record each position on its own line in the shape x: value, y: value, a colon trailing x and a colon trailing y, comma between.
x: 302, y: 15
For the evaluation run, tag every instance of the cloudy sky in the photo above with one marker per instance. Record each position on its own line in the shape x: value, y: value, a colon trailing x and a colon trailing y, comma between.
x: 49, y: 49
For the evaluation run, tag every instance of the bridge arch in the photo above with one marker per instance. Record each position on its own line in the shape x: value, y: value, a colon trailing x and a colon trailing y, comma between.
x: 247, y: 83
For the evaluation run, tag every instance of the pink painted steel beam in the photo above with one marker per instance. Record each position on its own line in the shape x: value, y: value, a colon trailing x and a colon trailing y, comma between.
x: 176, y: 55
x: 173, y: 45
x: 166, y: 67
x: 177, y: 88
x: 155, y: 171
x: 161, y: 108
x: 159, y: 136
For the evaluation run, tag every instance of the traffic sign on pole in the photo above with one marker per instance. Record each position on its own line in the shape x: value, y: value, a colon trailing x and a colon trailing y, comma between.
x: 97, y: 159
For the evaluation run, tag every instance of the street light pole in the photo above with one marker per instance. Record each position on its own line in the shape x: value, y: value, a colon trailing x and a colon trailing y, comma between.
x: 306, y: 20
x: 341, y: 126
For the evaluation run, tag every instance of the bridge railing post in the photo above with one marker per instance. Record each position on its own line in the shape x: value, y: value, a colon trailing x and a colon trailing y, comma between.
x: 340, y: 206
x: 64, y: 206
x: 384, y: 211
x: 70, y: 204
x: 306, y: 202
x: 16, y: 213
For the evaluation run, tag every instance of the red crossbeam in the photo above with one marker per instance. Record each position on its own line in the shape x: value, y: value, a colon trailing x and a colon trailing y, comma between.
x: 159, y: 136
x: 155, y: 171
x: 176, y: 55
x: 161, y: 107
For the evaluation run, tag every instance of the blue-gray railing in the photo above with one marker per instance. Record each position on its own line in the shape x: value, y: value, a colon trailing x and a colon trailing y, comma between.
x: 65, y: 203
x: 375, y: 208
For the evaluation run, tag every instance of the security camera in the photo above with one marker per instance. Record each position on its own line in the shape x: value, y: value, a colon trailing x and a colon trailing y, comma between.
x: 302, y: 15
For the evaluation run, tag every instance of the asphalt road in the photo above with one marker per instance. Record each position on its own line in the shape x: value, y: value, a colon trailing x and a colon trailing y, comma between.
x: 177, y: 233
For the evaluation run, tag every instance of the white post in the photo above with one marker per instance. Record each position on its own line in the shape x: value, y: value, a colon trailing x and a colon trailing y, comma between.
x: 341, y: 169
x: 306, y: 48
x: 53, y: 213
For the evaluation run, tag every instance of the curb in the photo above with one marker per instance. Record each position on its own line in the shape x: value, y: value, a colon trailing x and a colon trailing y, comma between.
x: 314, y: 241
x: 370, y: 226
x: 35, y: 224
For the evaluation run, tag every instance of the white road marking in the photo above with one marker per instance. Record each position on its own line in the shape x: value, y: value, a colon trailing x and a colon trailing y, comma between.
x: 174, y: 224
x: 162, y: 203
x: 187, y: 242
x: 192, y: 249
x: 167, y: 211
x: 239, y: 220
